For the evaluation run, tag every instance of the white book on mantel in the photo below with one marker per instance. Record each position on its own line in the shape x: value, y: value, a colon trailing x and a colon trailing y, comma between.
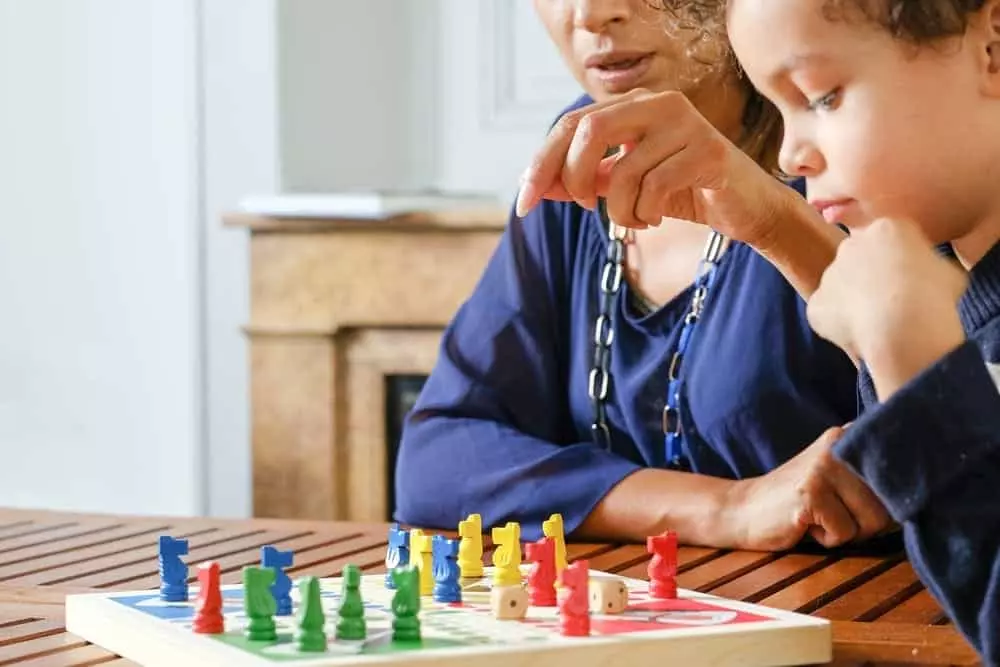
x: 359, y: 205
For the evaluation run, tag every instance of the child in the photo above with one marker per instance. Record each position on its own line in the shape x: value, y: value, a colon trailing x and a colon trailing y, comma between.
x: 892, y: 115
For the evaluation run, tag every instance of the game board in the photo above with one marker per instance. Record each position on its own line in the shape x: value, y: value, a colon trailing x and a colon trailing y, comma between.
x: 692, y: 629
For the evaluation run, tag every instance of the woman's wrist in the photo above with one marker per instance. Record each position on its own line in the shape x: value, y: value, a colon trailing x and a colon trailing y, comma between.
x: 796, y: 240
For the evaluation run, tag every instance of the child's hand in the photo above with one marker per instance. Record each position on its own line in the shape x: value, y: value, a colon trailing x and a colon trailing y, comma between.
x: 890, y: 300
x: 813, y: 494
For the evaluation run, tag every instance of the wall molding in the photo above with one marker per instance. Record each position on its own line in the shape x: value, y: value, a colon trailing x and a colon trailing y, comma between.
x: 513, y: 99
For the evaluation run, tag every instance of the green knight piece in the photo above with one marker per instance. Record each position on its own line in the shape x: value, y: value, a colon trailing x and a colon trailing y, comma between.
x: 259, y: 603
x: 351, y: 621
x: 310, y: 635
x: 406, y: 603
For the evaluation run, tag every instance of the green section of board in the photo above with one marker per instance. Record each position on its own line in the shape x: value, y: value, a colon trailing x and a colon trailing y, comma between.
x: 285, y: 639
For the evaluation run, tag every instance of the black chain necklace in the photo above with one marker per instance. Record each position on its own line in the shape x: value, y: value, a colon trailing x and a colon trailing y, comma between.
x: 599, y: 379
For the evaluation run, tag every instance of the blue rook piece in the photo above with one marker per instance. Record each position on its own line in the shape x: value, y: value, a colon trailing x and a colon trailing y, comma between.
x: 281, y: 589
x: 446, y: 571
x: 173, y: 571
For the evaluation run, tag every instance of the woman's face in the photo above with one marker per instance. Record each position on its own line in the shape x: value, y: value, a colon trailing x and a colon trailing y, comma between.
x: 614, y: 46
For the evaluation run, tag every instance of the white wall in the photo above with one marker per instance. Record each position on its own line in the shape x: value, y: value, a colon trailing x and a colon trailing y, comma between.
x: 128, y: 127
x: 99, y: 260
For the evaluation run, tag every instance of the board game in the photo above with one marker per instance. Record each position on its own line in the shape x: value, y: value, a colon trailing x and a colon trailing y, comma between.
x: 510, y: 613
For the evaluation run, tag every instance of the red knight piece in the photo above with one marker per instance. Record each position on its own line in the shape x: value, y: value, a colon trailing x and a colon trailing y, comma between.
x: 208, y: 617
x: 542, y: 577
x: 574, y: 600
x: 662, y: 568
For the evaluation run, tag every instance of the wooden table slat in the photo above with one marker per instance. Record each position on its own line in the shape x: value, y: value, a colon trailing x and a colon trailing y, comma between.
x: 874, y: 597
x: 900, y: 643
x: 40, y: 646
x: 80, y: 656
x: 687, y: 558
x: 87, y: 549
x: 11, y: 526
x: 119, y: 571
x: 770, y: 578
x: 34, y: 529
x: 921, y: 609
x: 29, y: 628
x: 721, y: 570
x: 827, y: 584
x: 14, y: 548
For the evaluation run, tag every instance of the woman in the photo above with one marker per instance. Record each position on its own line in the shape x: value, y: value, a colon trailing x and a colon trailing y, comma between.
x: 643, y: 381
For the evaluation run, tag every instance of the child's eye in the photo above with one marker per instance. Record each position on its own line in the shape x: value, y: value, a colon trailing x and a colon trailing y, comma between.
x: 827, y: 102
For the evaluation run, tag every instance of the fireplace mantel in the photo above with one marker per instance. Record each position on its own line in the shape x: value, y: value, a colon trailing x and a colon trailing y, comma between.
x: 337, y: 309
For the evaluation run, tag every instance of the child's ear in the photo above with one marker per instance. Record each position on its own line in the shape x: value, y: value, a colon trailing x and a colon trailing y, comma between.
x: 988, y: 25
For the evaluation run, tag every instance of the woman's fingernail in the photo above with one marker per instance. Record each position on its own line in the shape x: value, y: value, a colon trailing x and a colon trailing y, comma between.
x: 525, y: 197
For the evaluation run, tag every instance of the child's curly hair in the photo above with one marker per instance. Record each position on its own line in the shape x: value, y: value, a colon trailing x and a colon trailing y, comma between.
x: 915, y: 21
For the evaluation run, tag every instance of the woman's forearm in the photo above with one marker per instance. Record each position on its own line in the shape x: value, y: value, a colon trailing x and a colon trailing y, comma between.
x: 651, y: 501
x: 800, y: 243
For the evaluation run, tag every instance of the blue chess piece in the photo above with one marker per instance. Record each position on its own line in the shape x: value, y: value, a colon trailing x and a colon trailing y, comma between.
x: 444, y: 553
x: 398, y: 552
x: 282, y: 587
x: 173, y: 571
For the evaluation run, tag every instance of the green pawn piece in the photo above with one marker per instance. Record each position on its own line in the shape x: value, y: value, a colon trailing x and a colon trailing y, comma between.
x: 259, y: 603
x: 351, y: 623
x: 406, y: 603
x: 310, y: 635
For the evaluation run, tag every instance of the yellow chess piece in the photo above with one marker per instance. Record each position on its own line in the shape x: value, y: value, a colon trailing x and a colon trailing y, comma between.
x: 470, y: 548
x: 553, y: 527
x: 421, y: 547
x: 507, y: 555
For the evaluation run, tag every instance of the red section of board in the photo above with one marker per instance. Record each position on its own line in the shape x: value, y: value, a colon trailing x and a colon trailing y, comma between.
x: 652, y: 614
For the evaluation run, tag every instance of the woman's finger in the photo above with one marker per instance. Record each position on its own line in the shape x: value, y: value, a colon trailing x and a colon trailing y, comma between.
x: 833, y: 523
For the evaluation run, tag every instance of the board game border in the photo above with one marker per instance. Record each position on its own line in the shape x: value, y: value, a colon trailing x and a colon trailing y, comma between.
x: 797, y: 639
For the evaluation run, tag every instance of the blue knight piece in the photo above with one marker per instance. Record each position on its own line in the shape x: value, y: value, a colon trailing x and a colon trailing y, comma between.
x: 281, y: 589
x: 173, y: 571
x: 446, y: 571
x: 398, y: 552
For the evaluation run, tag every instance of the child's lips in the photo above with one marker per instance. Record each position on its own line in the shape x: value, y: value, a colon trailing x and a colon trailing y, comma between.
x: 832, y: 210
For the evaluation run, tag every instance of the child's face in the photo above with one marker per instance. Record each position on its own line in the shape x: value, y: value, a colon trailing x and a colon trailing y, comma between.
x: 877, y: 127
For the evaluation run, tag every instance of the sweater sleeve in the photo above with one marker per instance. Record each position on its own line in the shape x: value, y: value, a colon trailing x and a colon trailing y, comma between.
x: 491, y: 432
x: 931, y: 452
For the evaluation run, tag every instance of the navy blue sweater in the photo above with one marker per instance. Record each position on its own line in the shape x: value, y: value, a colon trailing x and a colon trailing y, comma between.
x: 503, y: 425
x: 931, y: 452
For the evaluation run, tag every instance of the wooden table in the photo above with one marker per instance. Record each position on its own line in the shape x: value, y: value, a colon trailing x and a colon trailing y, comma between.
x: 881, y: 613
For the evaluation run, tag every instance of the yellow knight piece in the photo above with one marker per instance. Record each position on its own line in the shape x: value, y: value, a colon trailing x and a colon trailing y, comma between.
x: 507, y: 555
x: 553, y: 527
x: 421, y: 547
x: 470, y: 548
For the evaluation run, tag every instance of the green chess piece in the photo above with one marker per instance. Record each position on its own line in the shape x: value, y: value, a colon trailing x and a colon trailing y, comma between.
x: 406, y: 603
x: 351, y: 622
x: 259, y: 603
x: 310, y: 635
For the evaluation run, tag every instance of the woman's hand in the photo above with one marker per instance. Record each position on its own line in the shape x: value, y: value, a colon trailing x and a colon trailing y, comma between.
x: 811, y: 494
x: 674, y: 164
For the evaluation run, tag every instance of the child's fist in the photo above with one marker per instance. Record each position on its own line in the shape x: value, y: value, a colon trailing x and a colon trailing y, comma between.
x: 889, y: 298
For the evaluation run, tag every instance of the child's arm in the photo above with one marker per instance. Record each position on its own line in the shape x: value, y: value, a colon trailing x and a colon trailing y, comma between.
x: 931, y: 449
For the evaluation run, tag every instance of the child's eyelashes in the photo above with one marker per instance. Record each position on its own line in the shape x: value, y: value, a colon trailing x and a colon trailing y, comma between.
x: 827, y: 102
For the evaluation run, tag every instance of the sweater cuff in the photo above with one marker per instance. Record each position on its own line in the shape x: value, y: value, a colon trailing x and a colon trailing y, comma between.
x: 931, y: 431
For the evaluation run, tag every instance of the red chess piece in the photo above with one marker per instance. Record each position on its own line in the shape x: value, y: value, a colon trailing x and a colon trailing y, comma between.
x: 542, y: 576
x: 208, y: 617
x: 662, y: 568
x: 574, y: 600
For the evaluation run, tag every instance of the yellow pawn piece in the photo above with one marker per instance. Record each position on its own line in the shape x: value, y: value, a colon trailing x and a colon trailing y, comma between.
x: 553, y: 527
x: 421, y: 547
x: 470, y: 548
x: 507, y: 555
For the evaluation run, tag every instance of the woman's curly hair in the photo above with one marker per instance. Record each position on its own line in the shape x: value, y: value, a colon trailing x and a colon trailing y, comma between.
x: 916, y: 21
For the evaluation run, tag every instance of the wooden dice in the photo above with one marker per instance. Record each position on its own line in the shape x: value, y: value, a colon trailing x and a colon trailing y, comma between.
x: 508, y: 602
x: 608, y: 596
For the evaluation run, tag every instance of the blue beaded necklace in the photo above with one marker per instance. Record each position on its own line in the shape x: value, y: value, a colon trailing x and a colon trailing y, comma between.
x: 600, y: 376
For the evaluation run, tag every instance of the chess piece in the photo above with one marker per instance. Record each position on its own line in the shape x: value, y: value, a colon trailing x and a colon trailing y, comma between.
x: 310, y: 636
x: 406, y: 603
x: 542, y: 576
x: 259, y: 603
x: 351, y: 622
x: 208, y: 618
x: 574, y: 608
x: 446, y: 571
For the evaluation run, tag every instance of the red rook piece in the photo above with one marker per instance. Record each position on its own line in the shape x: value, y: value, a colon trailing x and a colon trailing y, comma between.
x: 574, y: 600
x: 208, y: 607
x: 662, y: 568
x: 542, y: 577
